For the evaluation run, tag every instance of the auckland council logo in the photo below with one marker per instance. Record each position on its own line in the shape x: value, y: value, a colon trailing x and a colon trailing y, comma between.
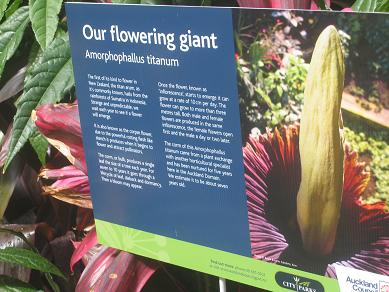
x: 384, y: 286
x: 297, y: 283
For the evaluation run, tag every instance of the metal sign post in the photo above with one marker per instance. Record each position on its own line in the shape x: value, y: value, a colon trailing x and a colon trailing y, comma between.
x: 222, y: 285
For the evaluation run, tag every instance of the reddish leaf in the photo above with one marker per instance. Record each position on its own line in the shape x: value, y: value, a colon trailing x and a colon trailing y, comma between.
x: 84, y: 219
x: 71, y: 185
x: 83, y: 247
x: 91, y: 253
x: 60, y: 124
x: 114, y: 270
x: 61, y: 173
x: 290, y: 4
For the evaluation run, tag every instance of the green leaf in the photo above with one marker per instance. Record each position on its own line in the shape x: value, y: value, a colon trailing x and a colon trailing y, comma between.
x: 8, y: 182
x: 126, y: 1
x: 322, y: 5
x: 33, y: 59
x: 206, y: 3
x: 11, y: 33
x: 40, y: 145
x: 12, y: 8
x: 29, y: 259
x: 3, y: 7
x: 44, y: 19
x: 51, y: 78
x: 238, y: 44
x: 192, y: 2
x: 10, y: 284
x: 279, y: 90
x: 156, y: 2
x: 256, y: 52
x: 26, y: 241
x: 383, y: 7
x: 365, y: 5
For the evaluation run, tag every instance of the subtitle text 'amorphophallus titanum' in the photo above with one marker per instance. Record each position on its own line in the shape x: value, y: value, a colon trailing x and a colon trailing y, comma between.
x: 321, y: 147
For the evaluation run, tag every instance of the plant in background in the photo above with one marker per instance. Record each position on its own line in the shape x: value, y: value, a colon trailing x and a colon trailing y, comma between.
x: 318, y: 208
x: 27, y: 257
x: 288, y: 4
x: 49, y: 74
x: 32, y: 38
x: 357, y: 5
x: 271, y: 71
x: 367, y: 54
x: 60, y: 125
x: 373, y: 148
x: 178, y: 2
x: 105, y: 268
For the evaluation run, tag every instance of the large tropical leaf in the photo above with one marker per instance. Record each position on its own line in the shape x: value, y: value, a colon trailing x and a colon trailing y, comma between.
x: 126, y: 1
x: 18, y: 236
x: 321, y: 4
x: 9, y: 179
x: 114, y: 270
x: 10, y: 284
x: 383, y: 7
x: 13, y: 85
x: 3, y: 7
x: 50, y: 79
x: 4, y: 146
x: 11, y: 33
x: 13, y: 7
x: 29, y: 259
x: 71, y: 185
x: 111, y: 269
x: 166, y: 2
x: 368, y: 5
x: 89, y: 241
x: 193, y: 2
x: 40, y: 145
x: 60, y: 124
x: 44, y: 19
x: 155, y: 2
x: 8, y: 182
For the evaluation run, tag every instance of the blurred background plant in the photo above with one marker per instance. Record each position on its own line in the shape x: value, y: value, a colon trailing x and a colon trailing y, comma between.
x: 45, y: 207
x: 368, y: 55
x: 271, y: 68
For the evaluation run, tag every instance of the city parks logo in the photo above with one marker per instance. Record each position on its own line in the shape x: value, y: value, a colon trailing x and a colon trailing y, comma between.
x: 297, y: 283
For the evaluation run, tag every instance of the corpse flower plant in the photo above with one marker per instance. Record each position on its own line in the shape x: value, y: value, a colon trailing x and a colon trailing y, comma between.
x: 304, y: 186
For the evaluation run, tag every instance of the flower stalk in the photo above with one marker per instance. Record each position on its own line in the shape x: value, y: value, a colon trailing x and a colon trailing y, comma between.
x: 321, y: 147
